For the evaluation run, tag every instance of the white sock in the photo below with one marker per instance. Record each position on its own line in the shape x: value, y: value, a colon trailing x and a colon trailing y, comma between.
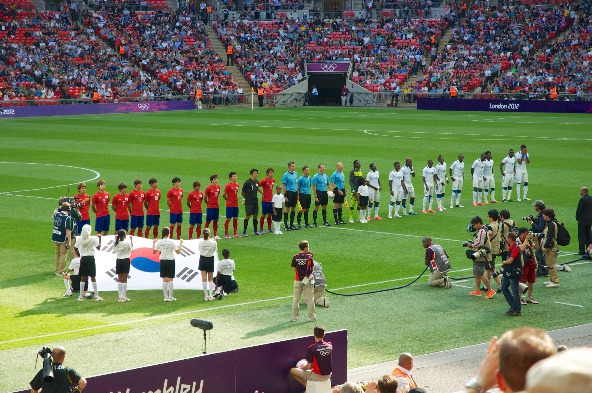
x: 124, y: 290
x: 492, y: 194
x: 474, y: 196
x: 485, y: 192
x: 452, y: 199
x: 430, y: 203
x: 94, y: 284
x: 119, y: 290
x: 204, y: 285
x: 518, y: 190
x: 411, y: 208
x: 170, y: 289
x: 458, y: 198
x: 81, y: 289
x: 367, y: 212
x: 210, y: 288
x: 479, y: 196
x: 165, y: 289
x: 397, y: 209
x: 525, y: 189
x: 375, y: 211
x: 363, y: 215
x: 67, y: 283
x: 390, y: 210
x: 425, y: 201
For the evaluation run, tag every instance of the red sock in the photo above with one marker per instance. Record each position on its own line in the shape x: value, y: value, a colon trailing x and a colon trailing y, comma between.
x: 132, y: 231
x: 155, y: 232
x: 215, y: 225
x: 235, y: 225
x: 261, y: 221
x: 226, y: 227
x: 178, y: 232
x: 147, y: 232
x: 190, y: 233
x: 268, y: 223
x: 198, y: 232
x: 172, y: 231
x: 207, y: 224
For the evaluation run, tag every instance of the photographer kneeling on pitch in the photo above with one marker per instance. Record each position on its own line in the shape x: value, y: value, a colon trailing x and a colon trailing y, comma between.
x: 479, y: 253
x: 54, y: 377
x: 436, y: 259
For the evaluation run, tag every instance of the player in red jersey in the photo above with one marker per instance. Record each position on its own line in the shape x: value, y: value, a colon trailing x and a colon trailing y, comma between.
x: 100, y: 206
x: 194, y: 200
x: 121, y: 207
x: 266, y: 188
x: 212, y: 207
x: 83, y: 199
x: 231, y: 197
x: 175, y: 204
x: 152, y: 205
x: 137, y: 197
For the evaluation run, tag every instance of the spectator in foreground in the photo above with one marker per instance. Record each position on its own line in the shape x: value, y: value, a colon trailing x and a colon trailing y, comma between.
x: 403, y: 373
x: 568, y: 372
x: 508, y: 360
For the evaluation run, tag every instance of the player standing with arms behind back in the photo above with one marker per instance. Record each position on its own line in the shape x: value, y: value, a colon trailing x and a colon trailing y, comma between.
x: 441, y: 181
x: 121, y: 207
x: 266, y: 187
x: 508, y: 175
x: 212, y: 206
x: 457, y: 175
x: 83, y: 200
x: 231, y: 196
x: 175, y: 204
x: 137, y: 197
x: 522, y: 159
x: 152, y: 205
x: 194, y: 200
x: 100, y: 206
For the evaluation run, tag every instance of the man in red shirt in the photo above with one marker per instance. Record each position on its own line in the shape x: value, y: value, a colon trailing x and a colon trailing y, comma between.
x: 319, y: 360
x: 121, y: 207
x: 266, y: 186
x: 231, y: 197
x: 175, y: 204
x: 152, y: 205
x: 512, y: 270
x: 100, y: 206
x: 194, y: 200
x: 212, y: 207
x: 137, y: 197
x: 83, y: 200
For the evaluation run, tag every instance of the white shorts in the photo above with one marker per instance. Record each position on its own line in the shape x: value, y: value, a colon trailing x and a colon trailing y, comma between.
x: 457, y: 184
x: 440, y: 188
x: 397, y: 195
x: 508, y: 181
x: 373, y: 195
x: 478, y: 182
x: 521, y: 177
x: 429, y: 191
x: 410, y: 191
x: 489, y: 183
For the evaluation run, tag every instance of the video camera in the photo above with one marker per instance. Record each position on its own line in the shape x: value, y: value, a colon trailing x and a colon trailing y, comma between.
x: 45, y: 354
x: 71, y: 200
x: 528, y: 218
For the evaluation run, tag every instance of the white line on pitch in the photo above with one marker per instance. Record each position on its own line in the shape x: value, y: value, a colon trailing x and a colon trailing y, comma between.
x: 569, y: 304
x: 392, y: 233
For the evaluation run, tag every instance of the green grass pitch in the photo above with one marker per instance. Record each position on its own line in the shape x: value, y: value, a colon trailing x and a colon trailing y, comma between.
x: 40, y: 157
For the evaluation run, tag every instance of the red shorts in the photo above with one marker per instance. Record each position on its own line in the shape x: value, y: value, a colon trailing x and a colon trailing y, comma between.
x: 528, y: 273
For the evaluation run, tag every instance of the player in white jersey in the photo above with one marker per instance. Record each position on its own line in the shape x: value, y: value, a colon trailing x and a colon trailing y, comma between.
x: 373, y: 178
x: 522, y: 159
x: 408, y: 190
x: 508, y: 175
x: 488, y: 179
x: 396, y: 189
x: 441, y: 182
x: 457, y: 175
x: 477, y: 172
x: 429, y: 175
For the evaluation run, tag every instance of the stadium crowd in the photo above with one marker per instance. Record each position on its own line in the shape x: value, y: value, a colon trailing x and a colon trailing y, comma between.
x: 505, y: 50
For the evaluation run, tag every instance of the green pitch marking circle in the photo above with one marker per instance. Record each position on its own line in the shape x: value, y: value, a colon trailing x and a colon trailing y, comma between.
x: 23, y: 164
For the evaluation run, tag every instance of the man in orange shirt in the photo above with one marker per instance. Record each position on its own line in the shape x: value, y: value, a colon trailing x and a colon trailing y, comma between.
x: 402, y: 372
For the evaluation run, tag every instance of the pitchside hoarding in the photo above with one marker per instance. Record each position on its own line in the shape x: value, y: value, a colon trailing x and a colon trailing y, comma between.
x: 449, y: 104
x: 94, y: 109
x: 263, y: 367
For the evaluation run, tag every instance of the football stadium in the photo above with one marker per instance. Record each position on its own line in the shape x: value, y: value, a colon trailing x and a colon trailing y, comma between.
x: 415, y: 170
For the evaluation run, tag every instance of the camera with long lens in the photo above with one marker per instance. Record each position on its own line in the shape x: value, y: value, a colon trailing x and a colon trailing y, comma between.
x: 538, y: 235
x: 45, y: 354
x: 470, y: 228
x: 71, y: 200
x: 528, y: 218
x: 497, y: 273
x: 473, y: 255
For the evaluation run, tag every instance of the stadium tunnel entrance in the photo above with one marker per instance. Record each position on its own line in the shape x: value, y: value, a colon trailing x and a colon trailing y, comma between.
x: 329, y: 87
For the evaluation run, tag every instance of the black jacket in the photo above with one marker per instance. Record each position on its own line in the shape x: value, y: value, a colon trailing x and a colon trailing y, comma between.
x: 538, y: 224
x: 584, y: 211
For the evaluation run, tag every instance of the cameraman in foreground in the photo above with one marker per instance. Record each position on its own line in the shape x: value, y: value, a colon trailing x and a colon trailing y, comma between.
x: 480, y: 253
x: 62, y: 236
x: 512, y: 268
x: 62, y: 378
